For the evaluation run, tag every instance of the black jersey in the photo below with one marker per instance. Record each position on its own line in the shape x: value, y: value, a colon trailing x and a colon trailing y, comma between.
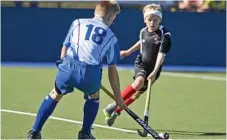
x: 151, y: 43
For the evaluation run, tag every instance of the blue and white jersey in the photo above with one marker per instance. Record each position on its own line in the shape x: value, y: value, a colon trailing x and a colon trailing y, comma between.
x: 90, y: 40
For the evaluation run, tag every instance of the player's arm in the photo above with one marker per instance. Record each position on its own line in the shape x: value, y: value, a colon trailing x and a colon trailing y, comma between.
x: 159, y: 61
x: 66, y: 44
x: 114, y: 80
x: 63, y: 54
x: 134, y: 48
x: 63, y: 51
x: 164, y: 49
x: 113, y: 56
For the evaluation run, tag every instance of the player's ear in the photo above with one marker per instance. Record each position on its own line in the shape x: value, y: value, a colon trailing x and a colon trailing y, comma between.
x: 108, y: 17
x: 160, y: 21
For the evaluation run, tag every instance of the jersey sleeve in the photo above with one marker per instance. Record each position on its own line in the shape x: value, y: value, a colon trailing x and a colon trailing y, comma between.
x: 113, y: 54
x: 67, y: 39
x: 165, y: 43
x: 141, y: 38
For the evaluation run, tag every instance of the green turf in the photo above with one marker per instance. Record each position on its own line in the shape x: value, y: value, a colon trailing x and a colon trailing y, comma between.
x: 184, y: 107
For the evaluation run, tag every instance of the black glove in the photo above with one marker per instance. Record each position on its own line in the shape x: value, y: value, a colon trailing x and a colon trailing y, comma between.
x: 58, y: 62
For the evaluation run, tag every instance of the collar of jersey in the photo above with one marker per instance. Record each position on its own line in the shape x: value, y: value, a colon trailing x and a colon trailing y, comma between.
x: 98, y: 18
x: 101, y: 20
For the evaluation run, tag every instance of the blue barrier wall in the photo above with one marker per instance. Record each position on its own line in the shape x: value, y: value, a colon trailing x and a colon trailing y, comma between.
x: 36, y: 35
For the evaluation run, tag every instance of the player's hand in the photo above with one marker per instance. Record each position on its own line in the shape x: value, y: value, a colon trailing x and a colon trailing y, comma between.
x: 120, y: 102
x: 152, y: 76
x: 124, y: 53
x: 58, y: 62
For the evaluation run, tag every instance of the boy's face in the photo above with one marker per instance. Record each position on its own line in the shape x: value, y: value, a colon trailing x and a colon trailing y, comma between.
x: 152, y: 22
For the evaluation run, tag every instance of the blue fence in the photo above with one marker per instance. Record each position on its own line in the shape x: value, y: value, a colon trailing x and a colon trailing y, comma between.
x: 36, y: 35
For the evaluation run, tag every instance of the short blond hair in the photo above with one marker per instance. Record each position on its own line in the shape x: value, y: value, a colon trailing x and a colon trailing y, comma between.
x: 152, y: 7
x: 105, y: 7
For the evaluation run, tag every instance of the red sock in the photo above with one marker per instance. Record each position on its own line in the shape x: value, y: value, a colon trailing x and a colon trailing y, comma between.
x: 127, y: 102
x: 128, y: 92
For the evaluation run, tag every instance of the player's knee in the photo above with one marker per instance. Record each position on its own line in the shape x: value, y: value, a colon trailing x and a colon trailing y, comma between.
x: 54, y: 95
x: 145, y: 86
x: 138, y: 83
x: 143, y: 89
x: 94, y: 96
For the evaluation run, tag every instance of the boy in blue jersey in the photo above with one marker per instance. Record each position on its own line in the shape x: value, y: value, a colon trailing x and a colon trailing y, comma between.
x: 87, y: 43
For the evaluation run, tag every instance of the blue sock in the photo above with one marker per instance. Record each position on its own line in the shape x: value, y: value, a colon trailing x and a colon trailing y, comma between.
x: 45, y: 110
x: 91, y: 108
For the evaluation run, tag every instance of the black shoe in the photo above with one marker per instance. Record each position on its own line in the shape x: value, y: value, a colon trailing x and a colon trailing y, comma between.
x: 84, y: 135
x: 33, y: 135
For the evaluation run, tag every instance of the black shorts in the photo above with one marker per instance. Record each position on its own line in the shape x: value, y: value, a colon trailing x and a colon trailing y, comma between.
x: 142, y: 69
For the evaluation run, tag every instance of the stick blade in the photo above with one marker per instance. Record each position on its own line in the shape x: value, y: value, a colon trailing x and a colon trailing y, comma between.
x: 142, y: 134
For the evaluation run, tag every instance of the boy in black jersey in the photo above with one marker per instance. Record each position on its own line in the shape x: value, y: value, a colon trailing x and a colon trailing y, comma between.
x: 154, y: 44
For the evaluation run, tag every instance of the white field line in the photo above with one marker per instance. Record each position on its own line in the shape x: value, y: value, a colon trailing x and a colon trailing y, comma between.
x: 183, y: 75
x: 68, y: 120
x: 194, y: 76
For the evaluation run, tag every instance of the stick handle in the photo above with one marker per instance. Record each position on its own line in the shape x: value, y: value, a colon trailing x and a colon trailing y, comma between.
x: 108, y: 92
x: 147, y: 103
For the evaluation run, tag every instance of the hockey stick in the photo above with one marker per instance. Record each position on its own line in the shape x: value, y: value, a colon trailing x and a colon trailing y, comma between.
x: 146, y: 110
x: 137, y: 119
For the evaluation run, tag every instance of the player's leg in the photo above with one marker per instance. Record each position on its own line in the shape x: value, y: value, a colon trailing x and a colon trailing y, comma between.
x: 49, y: 103
x: 90, y: 85
x: 140, y: 90
x: 140, y: 84
x: 47, y: 107
x: 137, y: 85
x: 125, y: 94
x: 131, y: 89
x: 91, y: 107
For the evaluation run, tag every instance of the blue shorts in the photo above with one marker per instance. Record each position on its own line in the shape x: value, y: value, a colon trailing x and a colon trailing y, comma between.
x: 74, y: 74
